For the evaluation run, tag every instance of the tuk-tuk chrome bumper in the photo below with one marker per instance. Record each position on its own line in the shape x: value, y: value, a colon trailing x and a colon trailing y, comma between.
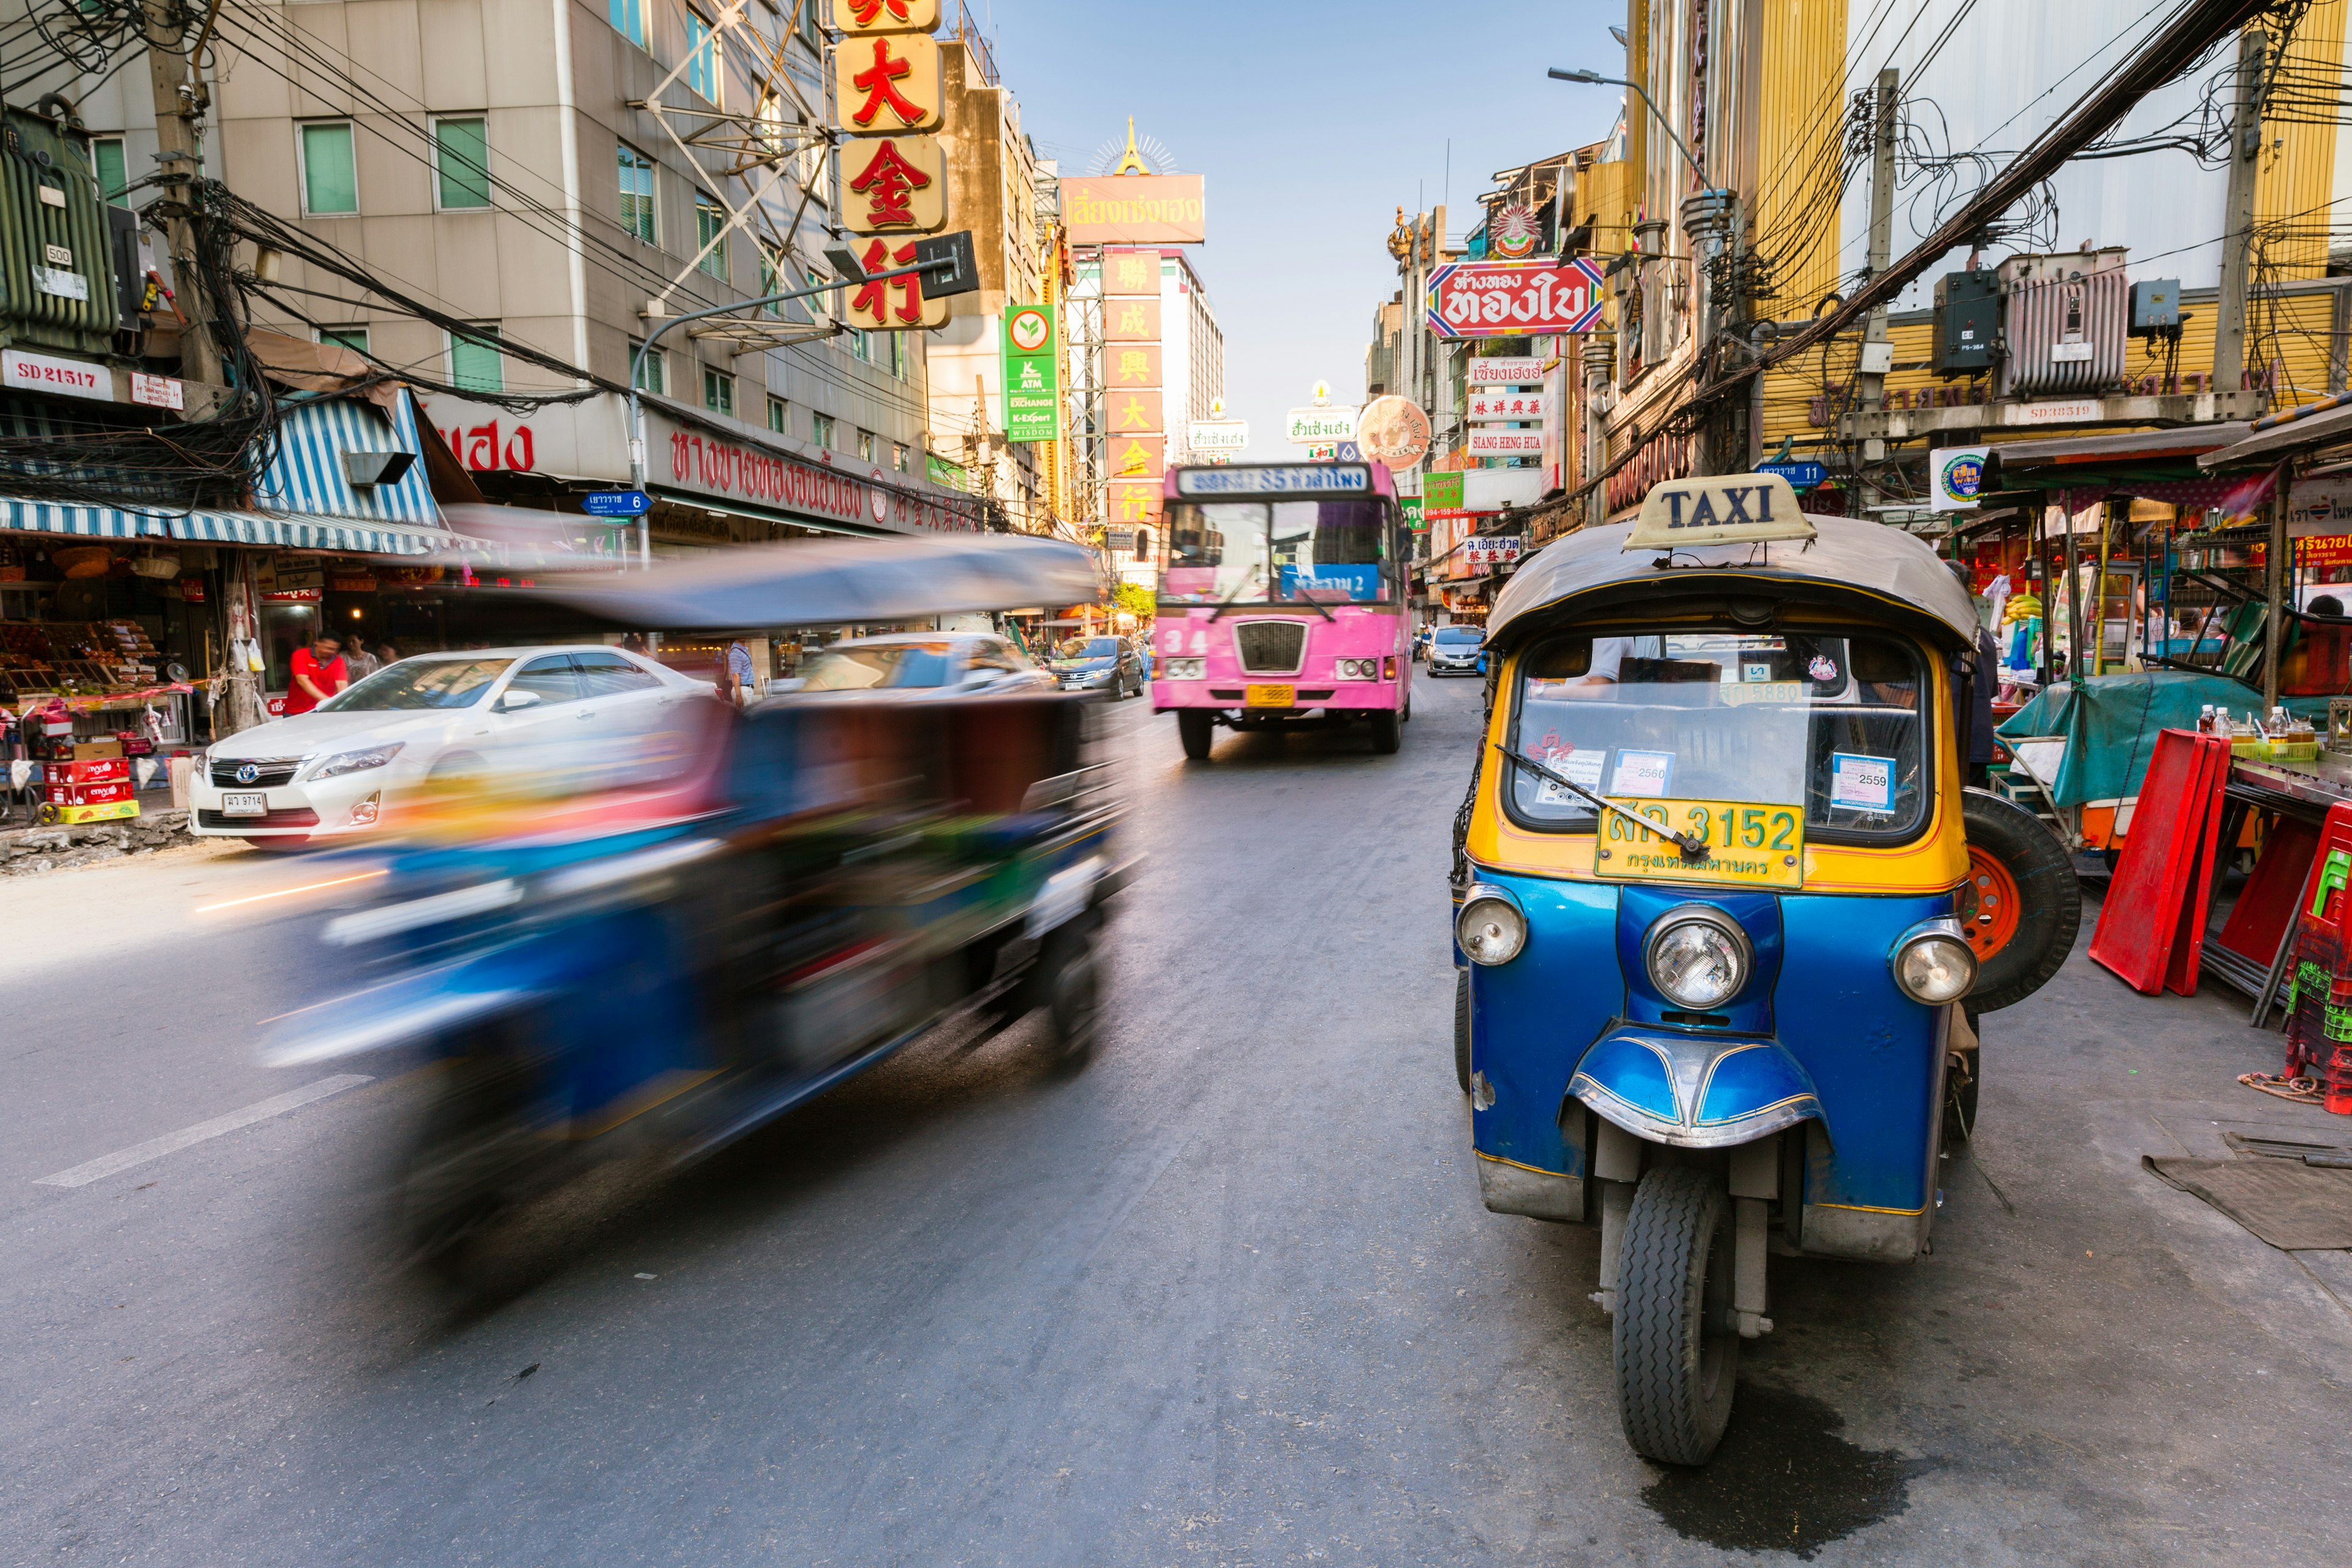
x: 1694, y: 1090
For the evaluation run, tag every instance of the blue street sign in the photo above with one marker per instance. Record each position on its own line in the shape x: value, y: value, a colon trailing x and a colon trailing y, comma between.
x: 616, y: 503
x: 1801, y: 476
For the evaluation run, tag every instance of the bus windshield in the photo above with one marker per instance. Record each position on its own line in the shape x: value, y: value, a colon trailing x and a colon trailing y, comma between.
x: 1284, y: 551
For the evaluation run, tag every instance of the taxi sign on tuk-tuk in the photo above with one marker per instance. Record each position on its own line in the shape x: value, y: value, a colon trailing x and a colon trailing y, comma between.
x: 1720, y: 508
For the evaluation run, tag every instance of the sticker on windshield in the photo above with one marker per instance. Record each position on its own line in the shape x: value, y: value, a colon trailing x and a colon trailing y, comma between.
x: 1754, y: 669
x: 1578, y: 767
x: 1823, y: 667
x: 1862, y: 783
x: 1642, y: 773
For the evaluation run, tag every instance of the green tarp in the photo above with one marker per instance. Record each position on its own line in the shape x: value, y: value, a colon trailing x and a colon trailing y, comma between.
x: 2110, y: 723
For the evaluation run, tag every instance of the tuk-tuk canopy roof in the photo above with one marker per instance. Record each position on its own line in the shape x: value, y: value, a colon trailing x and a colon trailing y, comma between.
x: 1862, y: 565
x: 839, y: 582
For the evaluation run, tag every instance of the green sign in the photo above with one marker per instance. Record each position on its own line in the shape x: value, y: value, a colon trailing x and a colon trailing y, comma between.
x: 1033, y: 399
x: 942, y: 473
x: 1441, y: 492
x: 1413, y: 520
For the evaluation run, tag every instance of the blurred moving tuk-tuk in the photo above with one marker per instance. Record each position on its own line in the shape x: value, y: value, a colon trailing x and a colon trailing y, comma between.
x: 1727, y: 917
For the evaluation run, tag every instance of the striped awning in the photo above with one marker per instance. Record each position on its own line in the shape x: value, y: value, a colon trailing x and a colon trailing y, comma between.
x: 342, y: 536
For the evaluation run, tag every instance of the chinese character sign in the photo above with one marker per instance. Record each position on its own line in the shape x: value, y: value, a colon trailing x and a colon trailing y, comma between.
x: 1491, y: 408
x: 1131, y: 503
x: 1128, y: 366
x: 1513, y: 298
x: 1135, y: 412
x: 1130, y: 321
x: 856, y: 16
x: 887, y: 83
x: 893, y: 184
x: 891, y: 304
x: 1032, y: 360
x: 1139, y: 457
x: 1131, y: 272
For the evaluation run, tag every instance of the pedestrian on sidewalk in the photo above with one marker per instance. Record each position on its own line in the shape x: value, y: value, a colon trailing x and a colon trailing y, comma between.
x: 318, y: 673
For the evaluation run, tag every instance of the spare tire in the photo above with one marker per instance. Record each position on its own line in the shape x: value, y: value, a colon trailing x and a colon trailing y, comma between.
x: 2020, y: 905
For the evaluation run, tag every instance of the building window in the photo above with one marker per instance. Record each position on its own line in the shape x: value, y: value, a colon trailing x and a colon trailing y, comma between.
x: 701, y: 59
x: 898, y: 455
x: 638, y: 194
x: 352, y: 338
x: 773, y: 278
x: 900, y: 354
x: 719, y: 392
x: 628, y: 18
x: 820, y: 429
x: 330, y: 176
x: 711, y: 223
x: 649, y: 375
x: 860, y: 345
x: 778, y: 417
x: 461, y: 158
x: 474, y: 362
x: 106, y: 153
x: 866, y: 445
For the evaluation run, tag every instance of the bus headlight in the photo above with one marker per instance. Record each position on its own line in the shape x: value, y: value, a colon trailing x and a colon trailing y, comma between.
x: 1184, y: 669
x: 1359, y: 669
x: 1933, y: 964
x: 1490, y: 927
x: 1698, y: 956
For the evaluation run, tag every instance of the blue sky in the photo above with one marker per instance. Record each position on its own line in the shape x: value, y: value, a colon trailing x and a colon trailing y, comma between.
x: 1312, y: 123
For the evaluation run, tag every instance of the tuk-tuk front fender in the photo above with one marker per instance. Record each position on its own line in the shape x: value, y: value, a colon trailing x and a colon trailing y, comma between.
x: 1694, y: 1090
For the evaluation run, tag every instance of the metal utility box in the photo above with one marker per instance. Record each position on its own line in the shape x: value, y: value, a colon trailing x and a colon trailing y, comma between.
x: 2064, y: 317
x: 2155, y: 306
x: 57, y: 266
x: 1967, y: 321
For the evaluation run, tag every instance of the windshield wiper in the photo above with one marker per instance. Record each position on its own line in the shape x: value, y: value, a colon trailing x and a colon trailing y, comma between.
x: 1694, y: 849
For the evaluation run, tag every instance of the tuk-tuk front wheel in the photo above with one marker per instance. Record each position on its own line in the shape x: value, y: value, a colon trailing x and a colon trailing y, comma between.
x: 1196, y: 727
x: 2021, y: 905
x: 1072, y: 986
x: 1675, y: 1339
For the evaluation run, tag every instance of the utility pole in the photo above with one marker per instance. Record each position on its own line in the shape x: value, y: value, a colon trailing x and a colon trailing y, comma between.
x: 2238, y: 213
x: 180, y: 101
x: 1877, y: 349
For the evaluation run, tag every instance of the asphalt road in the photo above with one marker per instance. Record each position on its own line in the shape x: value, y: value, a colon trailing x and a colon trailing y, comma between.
x: 1226, y: 1298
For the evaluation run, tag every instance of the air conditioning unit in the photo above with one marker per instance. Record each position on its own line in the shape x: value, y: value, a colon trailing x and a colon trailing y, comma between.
x: 2065, y: 316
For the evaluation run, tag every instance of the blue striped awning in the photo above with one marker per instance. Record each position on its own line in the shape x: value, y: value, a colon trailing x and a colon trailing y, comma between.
x: 344, y: 536
x: 305, y: 477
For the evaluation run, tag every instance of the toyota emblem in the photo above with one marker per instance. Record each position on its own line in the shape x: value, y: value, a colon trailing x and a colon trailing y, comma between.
x: 248, y: 773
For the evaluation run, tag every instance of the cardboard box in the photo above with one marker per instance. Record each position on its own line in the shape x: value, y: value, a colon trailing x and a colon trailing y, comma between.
x: 90, y: 794
x: 84, y: 751
x: 97, y: 770
x: 114, y: 811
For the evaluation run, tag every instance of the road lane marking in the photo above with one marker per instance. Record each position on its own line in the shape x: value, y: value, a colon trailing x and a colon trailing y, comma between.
x: 156, y: 1148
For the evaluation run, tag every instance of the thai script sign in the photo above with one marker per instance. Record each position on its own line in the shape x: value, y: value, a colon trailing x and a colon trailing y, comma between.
x: 1488, y: 550
x: 1513, y: 298
x: 1505, y: 370
x: 1135, y: 209
x: 1310, y: 426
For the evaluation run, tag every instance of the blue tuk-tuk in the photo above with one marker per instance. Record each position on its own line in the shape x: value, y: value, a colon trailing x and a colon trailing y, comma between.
x: 1726, y: 913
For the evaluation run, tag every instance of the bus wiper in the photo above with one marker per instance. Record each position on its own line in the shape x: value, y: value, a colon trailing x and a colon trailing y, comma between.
x: 1694, y: 849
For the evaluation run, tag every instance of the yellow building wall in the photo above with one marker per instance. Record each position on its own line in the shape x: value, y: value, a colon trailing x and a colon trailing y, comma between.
x: 2296, y: 171
x: 1799, y: 130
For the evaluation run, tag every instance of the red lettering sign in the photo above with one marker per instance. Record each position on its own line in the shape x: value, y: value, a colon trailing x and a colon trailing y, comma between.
x: 1513, y: 298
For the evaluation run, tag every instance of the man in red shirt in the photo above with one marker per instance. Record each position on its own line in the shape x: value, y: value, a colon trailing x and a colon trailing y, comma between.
x: 319, y: 674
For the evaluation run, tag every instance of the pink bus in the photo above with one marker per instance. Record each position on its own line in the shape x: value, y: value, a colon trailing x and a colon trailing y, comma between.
x: 1282, y: 594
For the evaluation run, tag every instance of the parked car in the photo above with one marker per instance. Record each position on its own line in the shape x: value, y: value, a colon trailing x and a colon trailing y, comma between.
x: 957, y: 661
x: 331, y: 773
x: 1100, y: 663
x: 1457, y: 650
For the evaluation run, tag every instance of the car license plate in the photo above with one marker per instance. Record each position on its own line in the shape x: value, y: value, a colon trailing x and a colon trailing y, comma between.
x: 254, y: 804
x: 1747, y: 846
x: 1255, y: 695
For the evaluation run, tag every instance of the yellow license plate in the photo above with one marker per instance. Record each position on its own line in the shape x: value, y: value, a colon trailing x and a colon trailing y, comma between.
x: 1254, y: 695
x: 1746, y: 845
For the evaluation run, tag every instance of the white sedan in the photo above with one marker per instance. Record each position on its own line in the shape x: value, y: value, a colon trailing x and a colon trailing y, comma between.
x: 329, y: 772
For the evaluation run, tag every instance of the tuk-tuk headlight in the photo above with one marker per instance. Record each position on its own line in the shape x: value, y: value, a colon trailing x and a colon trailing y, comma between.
x: 1698, y: 956
x: 1933, y: 964
x: 1490, y: 927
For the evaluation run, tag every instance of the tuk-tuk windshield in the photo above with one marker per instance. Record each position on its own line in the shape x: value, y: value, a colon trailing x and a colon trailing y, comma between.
x: 1834, y: 724
x: 1286, y: 552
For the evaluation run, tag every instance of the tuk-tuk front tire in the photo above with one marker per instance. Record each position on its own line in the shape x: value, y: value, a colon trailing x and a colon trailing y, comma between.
x: 1196, y: 728
x: 1072, y: 986
x: 2012, y: 857
x: 1675, y: 1342
x: 1461, y: 1028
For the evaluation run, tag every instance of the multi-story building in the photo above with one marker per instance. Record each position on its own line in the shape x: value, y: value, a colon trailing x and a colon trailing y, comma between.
x: 564, y: 180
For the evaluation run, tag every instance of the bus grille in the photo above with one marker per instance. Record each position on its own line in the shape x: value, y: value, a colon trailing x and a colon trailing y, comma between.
x: 1270, y: 648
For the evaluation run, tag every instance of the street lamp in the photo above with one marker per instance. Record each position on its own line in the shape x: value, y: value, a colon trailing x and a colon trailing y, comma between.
x: 1595, y: 77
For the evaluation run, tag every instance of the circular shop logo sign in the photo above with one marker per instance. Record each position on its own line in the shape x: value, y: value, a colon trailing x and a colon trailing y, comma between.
x: 1963, y: 476
x: 1512, y: 233
x: 247, y: 774
x: 1028, y: 331
x: 880, y: 504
